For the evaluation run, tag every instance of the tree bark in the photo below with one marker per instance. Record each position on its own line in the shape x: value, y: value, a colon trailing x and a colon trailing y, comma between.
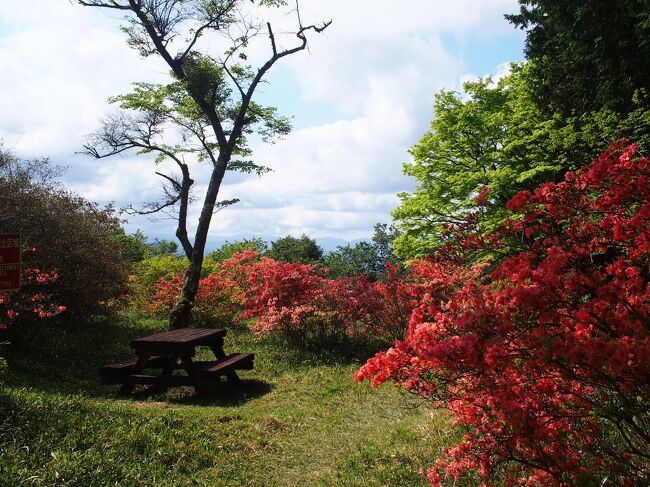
x: 181, y: 315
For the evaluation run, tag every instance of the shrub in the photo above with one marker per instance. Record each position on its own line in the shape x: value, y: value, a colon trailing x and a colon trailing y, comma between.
x: 74, y: 236
x: 151, y: 270
x: 218, y: 300
x: 32, y: 302
x: 305, y: 305
x: 299, y: 302
x: 389, y: 302
x: 543, y: 356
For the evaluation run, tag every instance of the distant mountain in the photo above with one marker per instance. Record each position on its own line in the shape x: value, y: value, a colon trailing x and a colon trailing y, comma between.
x: 328, y: 244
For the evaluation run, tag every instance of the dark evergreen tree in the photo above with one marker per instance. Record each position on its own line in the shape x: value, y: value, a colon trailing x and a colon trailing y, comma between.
x: 588, y: 54
x: 292, y: 249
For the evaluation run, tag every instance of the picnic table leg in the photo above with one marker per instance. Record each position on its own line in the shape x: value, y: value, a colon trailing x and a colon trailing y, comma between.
x: 167, y: 371
x: 188, y: 365
x: 217, y: 349
x: 200, y: 385
x: 127, y: 386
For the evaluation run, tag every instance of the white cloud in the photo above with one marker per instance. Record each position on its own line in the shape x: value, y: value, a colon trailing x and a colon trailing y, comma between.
x: 376, y: 68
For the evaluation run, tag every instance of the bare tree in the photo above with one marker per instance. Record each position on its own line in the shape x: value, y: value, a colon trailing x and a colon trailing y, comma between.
x: 210, y: 100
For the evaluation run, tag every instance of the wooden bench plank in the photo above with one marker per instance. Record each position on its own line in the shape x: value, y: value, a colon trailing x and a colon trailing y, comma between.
x: 182, y: 340
x: 235, y: 361
x: 114, y: 373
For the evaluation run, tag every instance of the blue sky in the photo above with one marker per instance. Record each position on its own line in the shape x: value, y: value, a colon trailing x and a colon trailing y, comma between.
x: 359, y: 98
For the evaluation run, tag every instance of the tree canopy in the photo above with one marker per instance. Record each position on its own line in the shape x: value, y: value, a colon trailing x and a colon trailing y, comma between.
x: 490, y: 142
x: 303, y: 249
x: 588, y: 54
x: 228, y: 249
x: 366, y: 258
x: 209, y: 101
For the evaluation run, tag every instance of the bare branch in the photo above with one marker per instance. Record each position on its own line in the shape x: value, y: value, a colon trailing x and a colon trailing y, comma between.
x: 275, y: 50
x: 212, y: 22
x: 109, y: 4
x: 174, y: 182
x: 246, y: 99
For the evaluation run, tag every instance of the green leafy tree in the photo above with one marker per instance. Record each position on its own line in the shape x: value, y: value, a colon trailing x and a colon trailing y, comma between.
x: 135, y: 244
x: 139, y: 248
x: 368, y: 258
x: 210, y: 101
x: 228, y: 249
x: 292, y: 249
x: 163, y: 247
x: 349, y: 260
x: 588, y: 54
x: 491, y: 142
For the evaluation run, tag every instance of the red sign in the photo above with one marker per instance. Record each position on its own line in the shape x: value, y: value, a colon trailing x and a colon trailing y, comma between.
x: 9, y: 261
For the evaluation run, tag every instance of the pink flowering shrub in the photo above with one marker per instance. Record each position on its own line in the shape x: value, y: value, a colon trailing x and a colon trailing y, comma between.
x: 217, y: 300
x: 543, y: 356
x: 32, y: 302
x: 300, y: 302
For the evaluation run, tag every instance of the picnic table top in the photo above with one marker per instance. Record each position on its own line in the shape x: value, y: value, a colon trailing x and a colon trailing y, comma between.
x: 184, y: 339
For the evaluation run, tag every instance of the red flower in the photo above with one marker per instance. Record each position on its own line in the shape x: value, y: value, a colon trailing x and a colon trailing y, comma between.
x: 528, y: 356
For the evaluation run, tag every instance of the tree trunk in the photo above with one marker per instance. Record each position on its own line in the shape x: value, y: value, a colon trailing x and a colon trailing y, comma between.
x: 181, y: 315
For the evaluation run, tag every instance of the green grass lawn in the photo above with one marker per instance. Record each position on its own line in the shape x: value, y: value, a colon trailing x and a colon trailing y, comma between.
x: 296, y: 419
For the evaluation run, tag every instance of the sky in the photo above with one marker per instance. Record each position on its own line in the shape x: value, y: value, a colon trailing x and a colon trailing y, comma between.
x: 359, y: 97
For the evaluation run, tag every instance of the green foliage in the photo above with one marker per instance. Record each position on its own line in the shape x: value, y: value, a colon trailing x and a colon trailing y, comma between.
x: 588, y: 54
x: 135, y: 245
x: 228, y: 249
x: 348, y: 260
x: 368, y: 258
x: 157, y: 107
x: 495, y: 138
x: 83, y: 242
x: 150, y: 270
x: 138, y: 248
x: 163, y: 247
x: 292, y: 249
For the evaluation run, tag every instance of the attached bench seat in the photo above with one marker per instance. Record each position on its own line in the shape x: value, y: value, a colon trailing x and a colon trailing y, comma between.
x: 234, y: 361
x: 115, y: 373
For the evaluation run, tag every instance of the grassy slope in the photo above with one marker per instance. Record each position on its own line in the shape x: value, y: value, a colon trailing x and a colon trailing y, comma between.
x: 294, y: 421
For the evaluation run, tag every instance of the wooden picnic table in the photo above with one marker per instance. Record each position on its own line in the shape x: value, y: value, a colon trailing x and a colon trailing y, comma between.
x: 172, y: 350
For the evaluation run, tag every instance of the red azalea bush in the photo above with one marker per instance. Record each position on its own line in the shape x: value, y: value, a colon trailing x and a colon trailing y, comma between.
x: 544, y: 356
x: 388, y: 303
x: 32, y: 302
x: 299, y: 302
x: 303, y: 303
x: 217, y: 300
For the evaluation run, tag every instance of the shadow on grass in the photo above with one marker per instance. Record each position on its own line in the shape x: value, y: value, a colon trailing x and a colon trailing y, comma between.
x: 65, y: 359
x: 224, y: 394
